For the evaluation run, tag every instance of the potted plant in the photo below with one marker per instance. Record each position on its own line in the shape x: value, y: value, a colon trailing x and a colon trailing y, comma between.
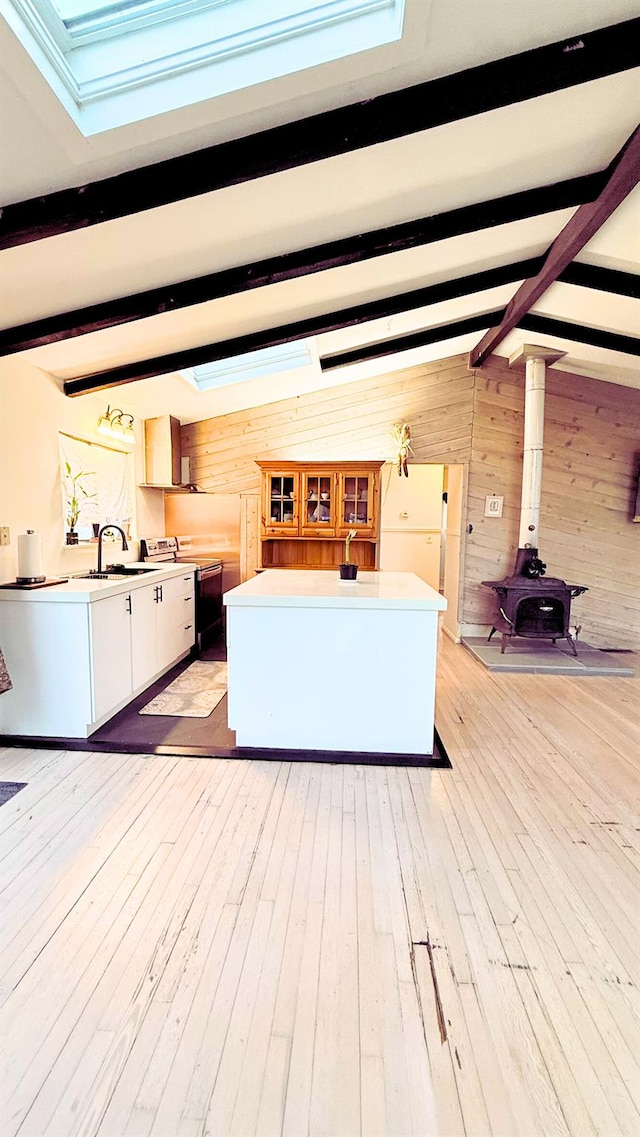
x: 348, y: 571
x: 76, y: 493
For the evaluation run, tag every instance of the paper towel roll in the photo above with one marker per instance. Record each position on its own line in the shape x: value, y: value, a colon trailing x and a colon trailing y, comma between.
x: 29, y: 557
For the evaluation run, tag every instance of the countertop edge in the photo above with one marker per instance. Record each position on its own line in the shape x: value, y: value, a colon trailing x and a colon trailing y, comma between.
x: 353, y: 602
x: 322, y: 589
x: 78, y: 591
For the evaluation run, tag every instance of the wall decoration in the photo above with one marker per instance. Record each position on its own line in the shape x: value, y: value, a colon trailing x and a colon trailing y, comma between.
x: 401, y: 435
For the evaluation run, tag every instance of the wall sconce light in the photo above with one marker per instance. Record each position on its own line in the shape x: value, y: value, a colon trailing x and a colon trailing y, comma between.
x: 112, y: 423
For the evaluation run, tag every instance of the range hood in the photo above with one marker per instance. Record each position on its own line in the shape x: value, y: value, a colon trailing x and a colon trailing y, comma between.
x: 162, y: 452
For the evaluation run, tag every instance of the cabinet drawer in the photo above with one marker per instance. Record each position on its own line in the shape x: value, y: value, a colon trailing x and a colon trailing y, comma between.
x: 184, y: 585
x: 186, y: 635
x: 185, y: 609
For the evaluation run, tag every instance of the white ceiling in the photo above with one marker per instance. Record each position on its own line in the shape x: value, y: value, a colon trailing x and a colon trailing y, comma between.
x: 534, y: 143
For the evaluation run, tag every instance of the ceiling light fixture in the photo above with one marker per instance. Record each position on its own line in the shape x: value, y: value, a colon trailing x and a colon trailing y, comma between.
x: 112, y: 423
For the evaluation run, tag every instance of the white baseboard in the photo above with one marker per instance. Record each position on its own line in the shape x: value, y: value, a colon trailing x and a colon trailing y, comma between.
x: 475, y: 629
x: 452, y: 636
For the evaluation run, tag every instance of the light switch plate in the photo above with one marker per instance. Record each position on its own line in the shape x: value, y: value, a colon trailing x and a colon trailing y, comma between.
x: 4, y: 535
x: 493, y: 506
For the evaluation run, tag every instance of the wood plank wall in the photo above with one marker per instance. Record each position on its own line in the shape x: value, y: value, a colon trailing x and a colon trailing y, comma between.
x: 495, y: 468
x: 591, y: 444
x: 592, y: 434
x: 592, y: 454
x: 350, y: 421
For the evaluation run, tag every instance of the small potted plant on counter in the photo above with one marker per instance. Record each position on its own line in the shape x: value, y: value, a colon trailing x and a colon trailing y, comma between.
x: 76, y: 493
x: 348, y: 571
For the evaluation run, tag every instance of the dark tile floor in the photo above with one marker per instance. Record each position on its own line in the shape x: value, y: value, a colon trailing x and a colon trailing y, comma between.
x: 210, y: 737
x: 129, y: 728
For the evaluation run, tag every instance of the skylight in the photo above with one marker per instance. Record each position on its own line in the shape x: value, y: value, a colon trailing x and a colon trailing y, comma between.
x: 113, y: 62
x: 253, y: 365
x: 86, y: 20
x: 72, y: 11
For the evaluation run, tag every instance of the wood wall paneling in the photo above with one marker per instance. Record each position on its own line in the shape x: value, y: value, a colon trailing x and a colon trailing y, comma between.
x: 592, y: 432
x: 349, y: 422
x: 249, y: 535
x: 475, y: 419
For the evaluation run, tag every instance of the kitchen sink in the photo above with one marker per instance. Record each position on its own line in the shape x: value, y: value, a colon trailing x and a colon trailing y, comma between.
x: 124, y: 570
x: 114, y: 572
x: 95, y: 575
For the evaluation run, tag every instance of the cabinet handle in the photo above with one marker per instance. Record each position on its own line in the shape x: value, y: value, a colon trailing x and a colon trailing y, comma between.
x: 186, y: 577
x: 188, y: 627
x: 128, y: 608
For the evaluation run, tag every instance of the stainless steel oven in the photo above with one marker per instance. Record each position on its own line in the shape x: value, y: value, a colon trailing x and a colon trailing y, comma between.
x: 208, y: 581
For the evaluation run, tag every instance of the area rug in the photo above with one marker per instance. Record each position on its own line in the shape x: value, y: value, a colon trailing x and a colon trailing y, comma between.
x: 194, y: 694
x: 8, y: 789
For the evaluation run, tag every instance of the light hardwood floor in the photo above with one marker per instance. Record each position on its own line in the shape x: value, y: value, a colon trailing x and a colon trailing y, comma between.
x: 198, y: 947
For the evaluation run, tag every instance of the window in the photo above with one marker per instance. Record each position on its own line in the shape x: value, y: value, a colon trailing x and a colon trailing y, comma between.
x: 120, y: 61
x: 100, y: 481
x: 253, y: 365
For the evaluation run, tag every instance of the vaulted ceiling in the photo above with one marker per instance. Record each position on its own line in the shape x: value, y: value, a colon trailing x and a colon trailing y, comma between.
x: 393, y: 206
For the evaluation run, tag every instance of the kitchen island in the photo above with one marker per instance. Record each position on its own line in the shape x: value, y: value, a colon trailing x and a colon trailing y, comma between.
x: 316, y: 663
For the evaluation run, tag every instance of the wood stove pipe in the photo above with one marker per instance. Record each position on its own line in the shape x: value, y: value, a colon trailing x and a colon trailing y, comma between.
x: 535, y: 359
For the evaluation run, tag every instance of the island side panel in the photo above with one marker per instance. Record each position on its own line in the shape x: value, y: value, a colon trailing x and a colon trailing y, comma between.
x: 318, y: 678
x: 46, y: 648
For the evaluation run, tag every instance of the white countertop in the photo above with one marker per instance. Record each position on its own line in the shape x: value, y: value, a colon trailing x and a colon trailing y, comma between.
x: 78, y: 591
x: 293, y: 588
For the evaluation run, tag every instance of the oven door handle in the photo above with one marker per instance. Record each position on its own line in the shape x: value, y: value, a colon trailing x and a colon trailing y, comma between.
x: 207, y: 573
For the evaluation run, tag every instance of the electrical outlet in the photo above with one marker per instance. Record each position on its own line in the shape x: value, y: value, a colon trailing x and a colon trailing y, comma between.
x: 4, y: 535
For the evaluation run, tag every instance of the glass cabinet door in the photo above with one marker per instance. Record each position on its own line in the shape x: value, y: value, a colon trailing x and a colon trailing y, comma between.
x: 356, y: 504
x: 318, y: 504
x: 281, y: 503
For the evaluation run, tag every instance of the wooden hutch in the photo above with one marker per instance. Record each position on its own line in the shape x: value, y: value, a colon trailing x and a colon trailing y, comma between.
x: 307, y: 509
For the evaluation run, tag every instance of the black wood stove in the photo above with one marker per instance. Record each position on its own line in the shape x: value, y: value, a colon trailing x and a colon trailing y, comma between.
x: 532, y: 605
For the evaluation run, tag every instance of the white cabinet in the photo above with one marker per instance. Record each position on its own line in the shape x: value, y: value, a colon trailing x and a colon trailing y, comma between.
x: 162, y: 626
x: 144, y: 636
x: 75, y: 663
x: 158, y: 629
x: 46, y: 647
x: 175, y: 617
x: 124, y: 649
x: 110, y: 652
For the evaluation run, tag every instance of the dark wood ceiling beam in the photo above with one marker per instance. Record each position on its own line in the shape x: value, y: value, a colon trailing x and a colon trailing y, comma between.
x: 300, y: 329
x: 240, y: 345
x: 168, y: 298
x: 292, y: 266
x: 623, y: 176
x: 580, y: 333
x: 408, y: 342
x: 554, y: 67
x: 611, y: 280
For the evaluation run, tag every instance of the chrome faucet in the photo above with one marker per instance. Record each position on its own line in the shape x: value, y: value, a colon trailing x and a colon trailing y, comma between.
x: 104, y: 530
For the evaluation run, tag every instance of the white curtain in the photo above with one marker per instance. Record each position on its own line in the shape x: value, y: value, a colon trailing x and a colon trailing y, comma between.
x: 105, y: 488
